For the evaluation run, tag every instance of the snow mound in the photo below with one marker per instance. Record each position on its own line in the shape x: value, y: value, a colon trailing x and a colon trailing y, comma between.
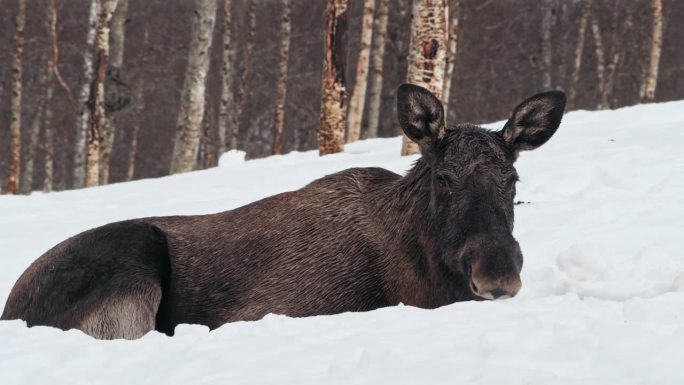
x: 603, y: 280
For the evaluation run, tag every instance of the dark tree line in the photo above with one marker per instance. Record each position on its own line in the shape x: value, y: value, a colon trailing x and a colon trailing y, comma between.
x: 265, y: 73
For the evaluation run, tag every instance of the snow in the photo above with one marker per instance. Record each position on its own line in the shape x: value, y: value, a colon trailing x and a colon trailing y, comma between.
x: 603, y: 282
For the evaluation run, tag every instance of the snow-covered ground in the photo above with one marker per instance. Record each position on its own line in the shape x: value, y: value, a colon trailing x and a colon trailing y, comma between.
x: 603, y: 281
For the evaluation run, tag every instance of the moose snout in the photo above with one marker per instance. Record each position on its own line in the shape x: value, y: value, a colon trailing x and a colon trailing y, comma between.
x: 495, y: 288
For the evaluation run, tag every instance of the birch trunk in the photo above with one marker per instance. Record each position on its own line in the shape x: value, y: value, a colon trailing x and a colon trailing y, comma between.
x: 600, y: 59
x: 427, y: 52
x: 83, y: 114
x: 615, y: 55
x: 579, y: 51
x: 49, y: 163
x: 34, y: 134
x: 546, y: 25
x: 227, y: 63
x: 244, y: 72
x: 648, y: 87
x: 117, y: 38
x: 97, y: 118
x: 377, y: 58
x: 138, y: 97
x: 15, y: 113
x: 451, y: 54
x: 334, y: 88
x: 194, y: 88
x: 358, y: 95
x: 281, y: 88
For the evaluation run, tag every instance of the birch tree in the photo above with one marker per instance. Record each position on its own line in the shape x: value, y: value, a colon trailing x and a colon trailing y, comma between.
x: 427, y: 52
x: 546, y: 54
x: 117, y: 39
x: 97, y: 119
x: 227, y: 61
x: 15, y: 109
x: 579, y: 51
x: 648, y: 86
x: 281, y: 87
x: 358, y: 95
x: 139, y: 99
x: 454, y: 6
x: 330, y: 136
x: 83, y: 112
x: 600, y: 58
x: 377, y: 59
x: 48, y: 144
x: 244, y: 73
x: 189, y: 122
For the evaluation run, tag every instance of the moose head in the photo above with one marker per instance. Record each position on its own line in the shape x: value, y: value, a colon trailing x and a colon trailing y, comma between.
x: 472, y: 186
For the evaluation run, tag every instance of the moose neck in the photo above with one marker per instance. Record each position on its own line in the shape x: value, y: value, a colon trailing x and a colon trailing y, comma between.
x: 402, y: 208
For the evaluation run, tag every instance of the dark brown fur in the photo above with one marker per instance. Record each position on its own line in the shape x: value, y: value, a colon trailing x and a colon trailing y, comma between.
x: 356, y: 240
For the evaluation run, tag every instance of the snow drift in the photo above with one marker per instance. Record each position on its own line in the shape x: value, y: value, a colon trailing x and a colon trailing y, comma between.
x: 603, y: 280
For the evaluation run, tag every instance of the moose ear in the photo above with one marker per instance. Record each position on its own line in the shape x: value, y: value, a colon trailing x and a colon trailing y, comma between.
x: 420, y: 114
x: 534, y: 121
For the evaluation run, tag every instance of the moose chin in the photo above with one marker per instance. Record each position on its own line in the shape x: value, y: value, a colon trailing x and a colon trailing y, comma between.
x: 356, y: 240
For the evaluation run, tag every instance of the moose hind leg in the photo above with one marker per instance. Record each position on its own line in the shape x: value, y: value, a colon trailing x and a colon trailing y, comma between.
x: 130, y: 314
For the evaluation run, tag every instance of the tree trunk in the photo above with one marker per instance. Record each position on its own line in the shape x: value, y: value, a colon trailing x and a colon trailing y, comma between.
x: 49, y: 163
x: 194, y: 88
x: 207, y: 156
x: 648, y: 87
x: 34, y: 133
x: 451, y: 54
x: 227, y: 63
x: 139, y: 99
x: 546, y: 54
x: 615, y: 55
x: 358, y: 95
x: 600, y: 59
x: 83, y: 114
x: 281, y: 88
x: 334, y: 87
x: 377, y: 58
x: 427, y: 52
x: 579, y: 51
x: 15, y: 113
x: 96, y: 98
x: 244, y: 72
x: 117, y: 38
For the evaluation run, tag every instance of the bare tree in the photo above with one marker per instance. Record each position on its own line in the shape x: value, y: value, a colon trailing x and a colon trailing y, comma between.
x: 97, y: 118
x: 13, y: 171
x: 34, y: 129
x: 49, y: 162
x: 427, y: 52
x: 281, y: 88
x: 194, y: 88
x: 139, y: 99
x: 579, y: 51
x: 227, y: 61
x: 600, y: 58
x: 377, y: 59
x: 334, y: 88
x: 546, y: 54
x: 244, y: 72
x: 117, y: 39
x: 648, y: 86
x: 358, y: 95
x: 454, y: 6
x: 83, y: 113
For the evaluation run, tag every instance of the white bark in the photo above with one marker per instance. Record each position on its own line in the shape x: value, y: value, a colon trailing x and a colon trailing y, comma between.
x: 453, y: 49
x: 648, y: 87
x: 377, y: 59
x: 579, y: 51
x: 427, y: 52
x: 281, y: 88
x: 358, y: 95
x: 227, y: 63
x: 15, y: 109
x: 83, y: 115
x: 194, y: 88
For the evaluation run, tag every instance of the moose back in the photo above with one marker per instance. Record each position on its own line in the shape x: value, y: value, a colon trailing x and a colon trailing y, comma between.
x: 356, y: 240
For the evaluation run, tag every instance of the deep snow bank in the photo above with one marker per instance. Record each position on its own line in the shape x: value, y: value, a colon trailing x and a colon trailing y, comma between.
x: 601, y: 302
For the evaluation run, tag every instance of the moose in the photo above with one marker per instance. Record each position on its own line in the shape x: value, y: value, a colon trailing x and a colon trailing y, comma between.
x: 356, y: 240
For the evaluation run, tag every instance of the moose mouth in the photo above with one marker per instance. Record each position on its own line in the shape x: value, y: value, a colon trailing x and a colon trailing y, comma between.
x: 479, y: 295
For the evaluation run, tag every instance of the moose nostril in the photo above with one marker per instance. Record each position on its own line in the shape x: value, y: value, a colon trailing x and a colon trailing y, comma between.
x: 497, y: 293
